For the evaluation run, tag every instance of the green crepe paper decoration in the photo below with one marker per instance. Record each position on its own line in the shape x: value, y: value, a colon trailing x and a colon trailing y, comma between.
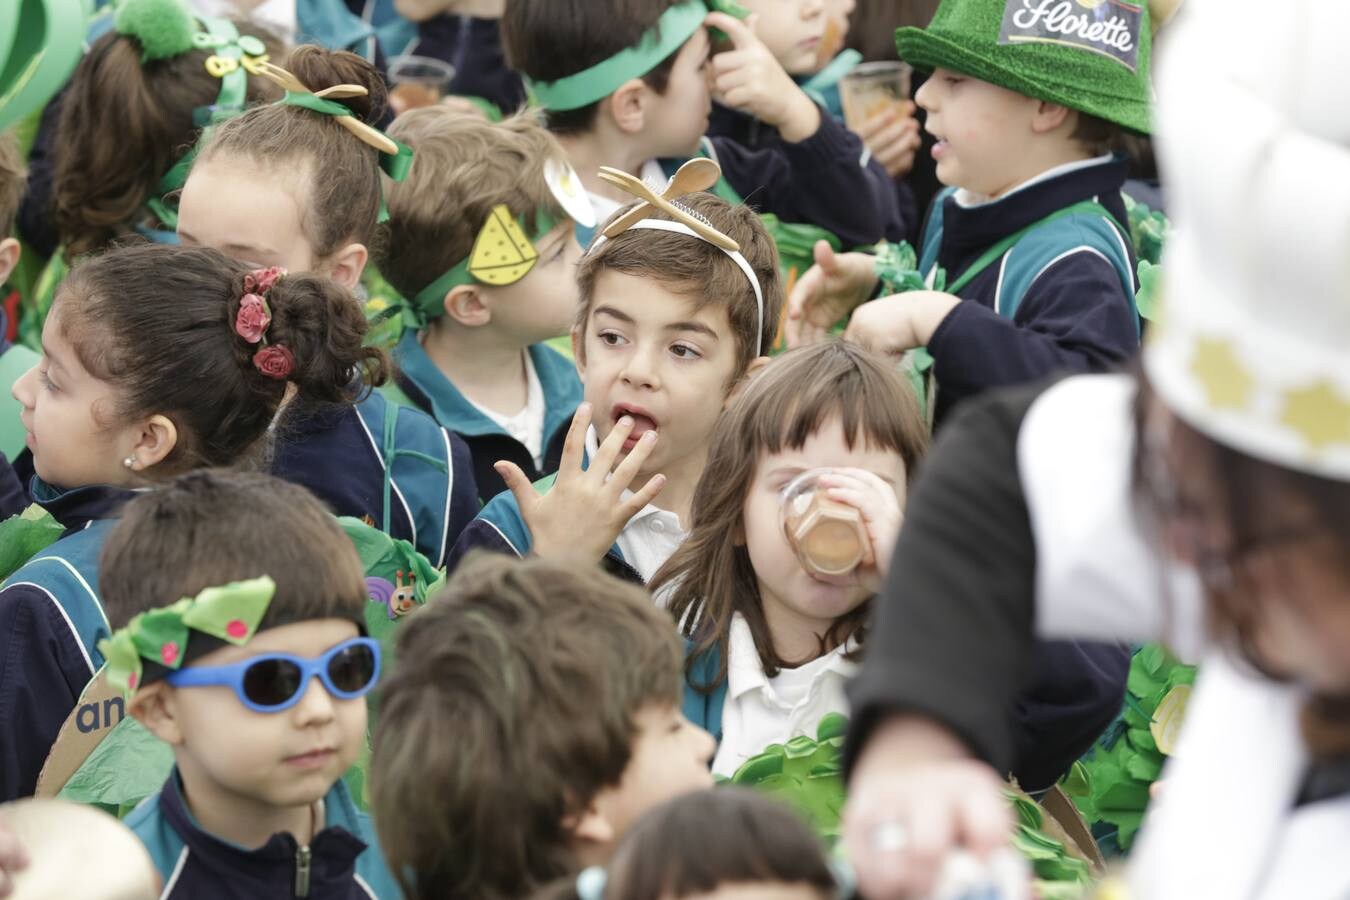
x: 164, y: 28
x: 230, y: 612
x: 1110, y: 784
x: 127, y: 766
x: 23, y: 536
x: 384, y: 557
x: 1150, y: 283
x: 1148, y: 231
x: 809, y: 776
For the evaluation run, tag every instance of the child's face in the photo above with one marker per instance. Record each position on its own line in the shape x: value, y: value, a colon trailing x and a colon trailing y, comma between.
x: 670, y: 757
x: 232, y: 756
x: 796, y: 603
x: 792, y: 30
x: 981, y: 130
x: 60, y: 399
x: 251, y: 213
x: 543, y: 304
x: 650, y: 355
x: 678, y: 118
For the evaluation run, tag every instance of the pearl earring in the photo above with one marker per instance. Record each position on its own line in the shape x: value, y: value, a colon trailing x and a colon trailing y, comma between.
x: 129, y: 462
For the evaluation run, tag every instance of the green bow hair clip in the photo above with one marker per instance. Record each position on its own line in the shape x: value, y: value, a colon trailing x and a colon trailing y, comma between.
x: 230, y: 612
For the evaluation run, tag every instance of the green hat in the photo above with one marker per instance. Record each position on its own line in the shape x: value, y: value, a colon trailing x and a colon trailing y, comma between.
x: 40, y: 43
x: 1088, y: 55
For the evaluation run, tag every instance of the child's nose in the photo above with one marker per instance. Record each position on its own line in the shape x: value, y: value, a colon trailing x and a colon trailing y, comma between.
x: 316, y: 705
x: 23, y: 388
x: 705, y: 744
x: 924, y: 95
x: 640, y: 369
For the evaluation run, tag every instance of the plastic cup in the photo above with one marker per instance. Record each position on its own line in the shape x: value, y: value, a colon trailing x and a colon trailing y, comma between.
x: 872, y: 88
x: 418, y: 81
x: 828, y: 537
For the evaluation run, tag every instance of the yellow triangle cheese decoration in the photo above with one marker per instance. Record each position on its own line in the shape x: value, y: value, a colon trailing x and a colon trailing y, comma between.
x: 502, y: 254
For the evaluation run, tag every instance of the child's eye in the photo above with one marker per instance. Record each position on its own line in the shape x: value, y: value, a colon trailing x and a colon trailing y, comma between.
x: 610, y: 338
x: 46, y: 382
x: 684, y: 351
x: 953, y: 80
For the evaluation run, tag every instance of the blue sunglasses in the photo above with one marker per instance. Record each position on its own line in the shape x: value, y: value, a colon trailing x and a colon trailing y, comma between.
x: 276, y: 681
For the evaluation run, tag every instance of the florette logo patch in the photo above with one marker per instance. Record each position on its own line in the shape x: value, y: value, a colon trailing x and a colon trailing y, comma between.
x: 1108, y: 27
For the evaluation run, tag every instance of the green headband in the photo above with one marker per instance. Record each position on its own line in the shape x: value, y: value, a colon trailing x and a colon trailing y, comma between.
x: 502, y: 254
x: 235, y: 56
x: 231, y: 613
x: 394, y: 165
x: 676, y: 25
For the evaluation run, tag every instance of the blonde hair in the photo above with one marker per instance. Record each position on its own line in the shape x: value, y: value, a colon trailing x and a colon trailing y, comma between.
x: 462, y: 167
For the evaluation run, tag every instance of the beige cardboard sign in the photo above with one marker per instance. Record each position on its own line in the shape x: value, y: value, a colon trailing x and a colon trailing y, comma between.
x: 101, y: 707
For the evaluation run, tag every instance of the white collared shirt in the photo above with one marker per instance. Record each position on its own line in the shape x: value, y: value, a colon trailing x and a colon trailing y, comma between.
x: 527, y: 425
x: 651, y: 536
x: 760, y: 711
x: 969, y: 199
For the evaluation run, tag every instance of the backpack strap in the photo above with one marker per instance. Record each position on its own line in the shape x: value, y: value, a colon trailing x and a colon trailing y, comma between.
x: 1091, y: 228
x: 932, y: 233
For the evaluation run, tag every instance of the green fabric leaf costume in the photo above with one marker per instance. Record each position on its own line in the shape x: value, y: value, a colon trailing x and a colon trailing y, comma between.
x: 808, y: 775
x: 23, y: 536
x: 1110, y: 785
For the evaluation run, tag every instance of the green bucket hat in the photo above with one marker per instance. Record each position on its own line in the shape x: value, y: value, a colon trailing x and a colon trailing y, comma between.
x: 1088, y: 55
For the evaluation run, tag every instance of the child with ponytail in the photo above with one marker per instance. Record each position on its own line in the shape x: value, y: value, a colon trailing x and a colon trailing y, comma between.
x: 289, y: 185
x: 133, y: 112
x: 156, y: 360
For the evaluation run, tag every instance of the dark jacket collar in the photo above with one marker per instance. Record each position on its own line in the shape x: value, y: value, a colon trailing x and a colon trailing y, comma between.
x: 77, y: 507
x: 333, y: 851
x: 967, y: 231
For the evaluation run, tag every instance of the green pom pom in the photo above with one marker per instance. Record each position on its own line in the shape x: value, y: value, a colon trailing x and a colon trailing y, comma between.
x: 164, y: 28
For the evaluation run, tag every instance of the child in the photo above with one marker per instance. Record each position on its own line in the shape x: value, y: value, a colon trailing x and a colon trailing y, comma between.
x: 668, y: 325
x: 136, y: 339
x: 132, y: 113
x: 288, y: 186
x: 773, y: 641
x: 626, y: 84
x: 247, y: 655
x: 532, y: 717
x: 725, y: 844
x: 15, y: 359
x: 1032, y: 231
x: 478, y: 364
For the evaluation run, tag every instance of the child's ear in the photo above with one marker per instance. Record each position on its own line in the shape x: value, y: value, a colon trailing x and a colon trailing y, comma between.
x: 1050, y: 117
x: 468, y: 305
x: 751, y: 370
x: 592, y: 834
x: 346, y: 265
x: 9, y: 257
x: 158, y: 436
x: 154, y: 707
x: 628, y: 106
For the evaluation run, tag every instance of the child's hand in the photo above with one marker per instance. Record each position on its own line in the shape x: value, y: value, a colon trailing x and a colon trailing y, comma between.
x: 828, y: 292
x: 892, y: 325
x: 749, y: 78
x: 875, y: 499
x: 582, y: 514
x: 893, y: 137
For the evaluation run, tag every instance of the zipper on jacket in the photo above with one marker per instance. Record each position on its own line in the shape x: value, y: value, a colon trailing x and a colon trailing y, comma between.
x: 302, y: 872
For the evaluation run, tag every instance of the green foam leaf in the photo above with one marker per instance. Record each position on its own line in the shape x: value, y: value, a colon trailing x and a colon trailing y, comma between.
x: 164, y: 28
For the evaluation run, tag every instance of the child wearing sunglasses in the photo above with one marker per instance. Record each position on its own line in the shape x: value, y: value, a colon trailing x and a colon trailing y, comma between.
x: 243, y: 648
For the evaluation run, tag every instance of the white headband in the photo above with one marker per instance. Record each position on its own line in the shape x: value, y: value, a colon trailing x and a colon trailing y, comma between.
x: 736, y: 257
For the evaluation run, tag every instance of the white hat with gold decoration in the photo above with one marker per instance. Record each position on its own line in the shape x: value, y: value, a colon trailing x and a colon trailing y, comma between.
x: 1253, y: 343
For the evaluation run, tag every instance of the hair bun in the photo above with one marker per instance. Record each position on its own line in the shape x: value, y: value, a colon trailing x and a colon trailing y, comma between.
x: 319, y: 68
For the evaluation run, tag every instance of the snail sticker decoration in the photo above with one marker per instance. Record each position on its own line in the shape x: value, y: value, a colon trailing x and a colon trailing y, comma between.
x: 398, y: 598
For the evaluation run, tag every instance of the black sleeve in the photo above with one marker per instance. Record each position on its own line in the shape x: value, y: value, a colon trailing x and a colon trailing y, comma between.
x: 819, y: 181
x: 13, y: 498
x: 42, y: 672
x: 954, y: 636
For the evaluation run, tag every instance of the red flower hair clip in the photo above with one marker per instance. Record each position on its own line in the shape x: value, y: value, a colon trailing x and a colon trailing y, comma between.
x: 251, y: 321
